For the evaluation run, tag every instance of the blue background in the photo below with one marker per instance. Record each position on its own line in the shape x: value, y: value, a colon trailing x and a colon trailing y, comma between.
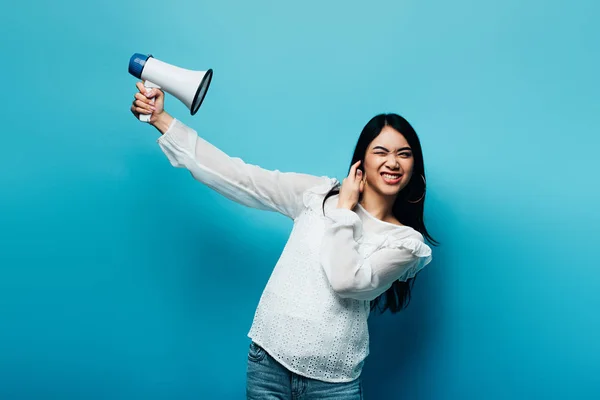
x: 122, y: 278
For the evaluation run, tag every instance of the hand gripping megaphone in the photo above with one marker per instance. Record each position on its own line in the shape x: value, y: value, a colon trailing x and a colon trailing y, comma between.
x: 188, y: 86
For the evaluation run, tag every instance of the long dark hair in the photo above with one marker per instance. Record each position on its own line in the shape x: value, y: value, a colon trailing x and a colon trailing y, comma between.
x: 406, y: 208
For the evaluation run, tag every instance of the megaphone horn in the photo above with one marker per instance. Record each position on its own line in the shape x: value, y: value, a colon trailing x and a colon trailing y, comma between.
x: 188, y: 86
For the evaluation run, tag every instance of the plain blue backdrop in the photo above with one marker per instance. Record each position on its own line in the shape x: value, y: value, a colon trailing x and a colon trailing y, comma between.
x: 123, y: 278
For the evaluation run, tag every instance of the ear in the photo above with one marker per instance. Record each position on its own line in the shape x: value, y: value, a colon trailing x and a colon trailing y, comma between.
x: 361, y: 185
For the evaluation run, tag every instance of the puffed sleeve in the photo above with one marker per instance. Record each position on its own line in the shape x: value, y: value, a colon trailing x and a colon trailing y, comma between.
x: 241, y: 182
x: 365, y: 278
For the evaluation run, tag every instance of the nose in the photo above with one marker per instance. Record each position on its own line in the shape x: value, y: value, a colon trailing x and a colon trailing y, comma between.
x: 392, y: 163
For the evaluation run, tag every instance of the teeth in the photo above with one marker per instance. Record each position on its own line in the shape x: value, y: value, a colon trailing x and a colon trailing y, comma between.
x: 391, y: 176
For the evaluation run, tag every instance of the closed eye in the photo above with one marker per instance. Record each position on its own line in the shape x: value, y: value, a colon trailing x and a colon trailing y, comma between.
x: 379, y: 153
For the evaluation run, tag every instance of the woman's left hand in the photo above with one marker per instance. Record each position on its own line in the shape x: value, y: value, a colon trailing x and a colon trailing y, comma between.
x: 352, y: 187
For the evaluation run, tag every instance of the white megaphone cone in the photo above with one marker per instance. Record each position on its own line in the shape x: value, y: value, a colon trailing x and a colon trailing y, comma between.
x: 188, y: 86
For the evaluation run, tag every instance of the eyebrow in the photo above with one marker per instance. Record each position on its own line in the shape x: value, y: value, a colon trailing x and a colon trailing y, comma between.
x: 383, y: 148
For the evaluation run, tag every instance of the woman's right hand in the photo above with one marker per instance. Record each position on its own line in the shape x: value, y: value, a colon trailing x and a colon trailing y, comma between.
x: 143, y: 102
x: 352, y: 187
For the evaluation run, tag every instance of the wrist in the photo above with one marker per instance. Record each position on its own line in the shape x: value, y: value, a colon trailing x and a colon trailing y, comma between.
x: 345, y: 205
x: 162, y: 122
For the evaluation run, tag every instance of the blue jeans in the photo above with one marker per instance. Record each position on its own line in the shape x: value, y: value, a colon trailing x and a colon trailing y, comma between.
x: 269, y: 380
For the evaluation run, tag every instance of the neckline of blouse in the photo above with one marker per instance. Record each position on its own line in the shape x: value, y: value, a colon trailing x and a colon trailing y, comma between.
x: 380, y: 221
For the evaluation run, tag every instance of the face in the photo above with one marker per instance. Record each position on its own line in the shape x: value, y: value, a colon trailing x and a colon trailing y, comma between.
x: 388, y: 153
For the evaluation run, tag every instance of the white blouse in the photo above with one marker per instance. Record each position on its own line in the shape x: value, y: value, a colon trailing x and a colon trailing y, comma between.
x: 312, y: 315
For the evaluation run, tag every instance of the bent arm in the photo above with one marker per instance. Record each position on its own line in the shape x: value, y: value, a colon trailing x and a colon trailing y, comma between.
x: 353, y: 276
x: 241, y: 182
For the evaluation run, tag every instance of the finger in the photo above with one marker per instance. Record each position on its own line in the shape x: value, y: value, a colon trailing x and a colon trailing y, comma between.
x: 141, y: 87
x: 154, y: 92
x: 141, y: 97
x: 352, y: 173
x: 137, y: 111
x: 135, y: 108
x: 142, y: 110
x: 148, y: 92
x: 357, y: 173
x: 144, y: 105
x: 361, y: 179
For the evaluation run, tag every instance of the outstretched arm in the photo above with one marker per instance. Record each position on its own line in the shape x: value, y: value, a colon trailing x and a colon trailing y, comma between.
x: 244, y: 183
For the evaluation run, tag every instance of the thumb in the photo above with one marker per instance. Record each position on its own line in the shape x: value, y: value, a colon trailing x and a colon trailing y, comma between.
x: 154, y: 92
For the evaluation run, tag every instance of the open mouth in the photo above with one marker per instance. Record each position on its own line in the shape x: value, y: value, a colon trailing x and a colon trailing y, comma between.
x: 391, y: 179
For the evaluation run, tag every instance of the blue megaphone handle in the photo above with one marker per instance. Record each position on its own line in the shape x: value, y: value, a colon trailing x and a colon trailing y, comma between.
x: 136, y: 64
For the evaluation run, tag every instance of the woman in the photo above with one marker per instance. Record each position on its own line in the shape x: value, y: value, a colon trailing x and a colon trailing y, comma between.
x: 351, y: 246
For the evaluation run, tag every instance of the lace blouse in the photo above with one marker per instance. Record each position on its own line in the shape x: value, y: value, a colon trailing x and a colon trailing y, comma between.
x: 312, y: 314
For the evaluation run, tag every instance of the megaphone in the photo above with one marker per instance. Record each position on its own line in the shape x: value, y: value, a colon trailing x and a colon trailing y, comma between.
x: 188, y: 86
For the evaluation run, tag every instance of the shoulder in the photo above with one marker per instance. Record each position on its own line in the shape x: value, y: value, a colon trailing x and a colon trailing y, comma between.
x: 322, y: 185
x: 415, y: 234
x: 409, y: 239
x: 313, y: 195
x: 405, y: 236
x: 402, y: 232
